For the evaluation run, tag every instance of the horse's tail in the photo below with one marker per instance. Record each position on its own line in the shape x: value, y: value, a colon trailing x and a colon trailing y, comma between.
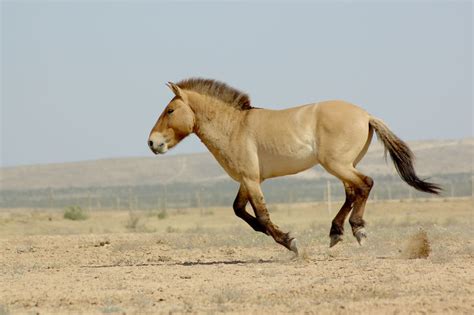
x: 402, y: 157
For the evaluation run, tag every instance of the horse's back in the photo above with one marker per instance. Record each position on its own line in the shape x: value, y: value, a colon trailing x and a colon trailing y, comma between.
x: 269, y: 121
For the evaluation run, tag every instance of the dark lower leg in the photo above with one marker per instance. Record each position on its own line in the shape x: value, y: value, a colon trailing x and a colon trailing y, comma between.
x: 337, y: 226
x: 356, y: 219
x: 252, y: 221
x: 257, y: 201
x: 239, y: 208
x: 279, y: 236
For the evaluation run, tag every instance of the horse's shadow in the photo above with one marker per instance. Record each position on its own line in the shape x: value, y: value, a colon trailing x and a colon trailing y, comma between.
x: 188, y: 263
x: 224, y: 262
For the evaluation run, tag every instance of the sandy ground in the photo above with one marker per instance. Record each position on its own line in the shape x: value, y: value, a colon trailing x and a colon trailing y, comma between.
x: 210, y: 262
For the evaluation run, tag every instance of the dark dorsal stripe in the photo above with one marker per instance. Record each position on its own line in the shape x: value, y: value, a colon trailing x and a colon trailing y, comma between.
x: 219, y: 90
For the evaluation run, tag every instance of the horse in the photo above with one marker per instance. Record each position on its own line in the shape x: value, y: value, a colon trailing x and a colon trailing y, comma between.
x: 254, y: 144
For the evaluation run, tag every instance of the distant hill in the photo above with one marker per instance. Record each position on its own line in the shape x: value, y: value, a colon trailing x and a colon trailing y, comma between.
x: 436, y: 157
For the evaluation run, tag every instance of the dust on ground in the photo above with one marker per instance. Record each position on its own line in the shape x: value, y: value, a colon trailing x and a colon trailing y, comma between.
x: 418, y: 259
x: 418, y: 246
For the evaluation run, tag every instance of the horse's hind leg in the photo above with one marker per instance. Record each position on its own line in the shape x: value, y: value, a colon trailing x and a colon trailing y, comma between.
x: 357, y: 187
x: 257, y: 201
x: 356, y: 219
x: 337, y: 226
x: 239, y: 208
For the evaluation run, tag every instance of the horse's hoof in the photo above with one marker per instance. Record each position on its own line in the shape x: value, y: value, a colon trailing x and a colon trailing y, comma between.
x: 361, y: 236
x: 294, y: 246
x: 335, y: 238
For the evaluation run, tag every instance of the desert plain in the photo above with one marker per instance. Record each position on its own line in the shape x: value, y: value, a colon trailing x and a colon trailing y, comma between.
x: 418, y: 259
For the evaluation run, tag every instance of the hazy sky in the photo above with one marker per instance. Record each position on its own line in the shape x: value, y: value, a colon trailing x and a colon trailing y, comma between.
x: 86, y: 80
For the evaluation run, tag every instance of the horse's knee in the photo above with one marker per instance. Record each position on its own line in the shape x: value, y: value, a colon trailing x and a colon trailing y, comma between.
x: 239, y: 210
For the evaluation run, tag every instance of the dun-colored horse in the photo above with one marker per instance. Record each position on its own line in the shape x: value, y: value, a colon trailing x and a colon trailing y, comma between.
x: 254, y: 144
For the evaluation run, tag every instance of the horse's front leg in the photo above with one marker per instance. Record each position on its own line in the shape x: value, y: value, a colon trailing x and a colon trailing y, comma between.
x: 239, y: 208
x: 257, y: 201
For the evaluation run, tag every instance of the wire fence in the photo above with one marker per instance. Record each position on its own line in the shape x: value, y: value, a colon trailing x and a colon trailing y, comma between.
x: 202, y: 195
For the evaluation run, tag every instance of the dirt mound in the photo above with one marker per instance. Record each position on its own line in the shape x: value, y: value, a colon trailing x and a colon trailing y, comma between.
x: 418, y: 246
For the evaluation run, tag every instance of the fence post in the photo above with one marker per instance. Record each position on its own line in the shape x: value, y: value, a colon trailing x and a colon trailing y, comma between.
x: 329, y: 201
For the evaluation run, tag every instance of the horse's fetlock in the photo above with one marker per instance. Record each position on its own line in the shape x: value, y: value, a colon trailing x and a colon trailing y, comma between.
x: 356, y: 223
x: 285, y: 239
x: 336, y: 229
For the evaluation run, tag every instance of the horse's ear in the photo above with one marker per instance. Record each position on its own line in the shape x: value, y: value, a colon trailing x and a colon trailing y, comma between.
x: 175, y: 89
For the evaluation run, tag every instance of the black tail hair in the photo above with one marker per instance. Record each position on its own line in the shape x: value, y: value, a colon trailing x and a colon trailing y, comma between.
x: 402, y: 157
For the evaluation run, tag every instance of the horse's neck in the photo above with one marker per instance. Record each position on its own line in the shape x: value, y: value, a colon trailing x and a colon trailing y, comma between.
x: 214, y: 125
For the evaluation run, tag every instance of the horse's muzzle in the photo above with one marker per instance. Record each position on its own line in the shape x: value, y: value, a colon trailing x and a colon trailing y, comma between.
x: 157, y: 144
x: 159, y: 148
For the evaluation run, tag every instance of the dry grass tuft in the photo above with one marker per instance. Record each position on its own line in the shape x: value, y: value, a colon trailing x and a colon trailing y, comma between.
x: 418, y: 246
x: 229, y: 294
x: 75, y: 213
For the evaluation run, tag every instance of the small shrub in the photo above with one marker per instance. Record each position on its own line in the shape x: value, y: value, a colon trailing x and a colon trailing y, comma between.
x: 75, y: 213
x: 162, y: 214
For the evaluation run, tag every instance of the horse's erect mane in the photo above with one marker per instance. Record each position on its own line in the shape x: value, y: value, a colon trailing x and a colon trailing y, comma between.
x: 219, y: 90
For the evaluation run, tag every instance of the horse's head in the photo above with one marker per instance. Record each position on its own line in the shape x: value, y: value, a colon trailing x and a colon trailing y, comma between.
x: 174, y: 124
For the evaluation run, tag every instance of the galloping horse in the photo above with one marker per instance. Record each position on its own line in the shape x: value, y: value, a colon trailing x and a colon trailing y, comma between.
x: 254, y: 144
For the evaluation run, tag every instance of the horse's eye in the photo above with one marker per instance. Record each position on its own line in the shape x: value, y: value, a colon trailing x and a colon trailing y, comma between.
x: 170, y: 111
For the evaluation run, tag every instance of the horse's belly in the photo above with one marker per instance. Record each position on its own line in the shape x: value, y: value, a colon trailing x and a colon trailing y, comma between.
x: 273, y: 165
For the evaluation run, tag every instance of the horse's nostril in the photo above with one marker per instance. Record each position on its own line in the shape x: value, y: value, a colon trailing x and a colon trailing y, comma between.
x: 161, y: 144
x: 150, y: 143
